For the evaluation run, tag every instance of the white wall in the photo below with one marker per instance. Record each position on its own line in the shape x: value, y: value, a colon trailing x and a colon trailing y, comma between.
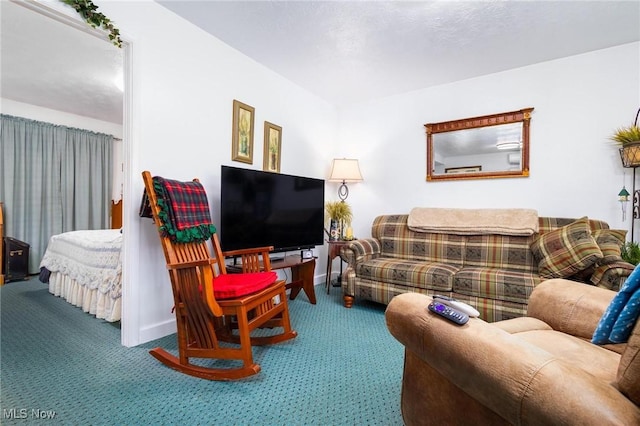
x: 575, y: 171
x: 184, y: 82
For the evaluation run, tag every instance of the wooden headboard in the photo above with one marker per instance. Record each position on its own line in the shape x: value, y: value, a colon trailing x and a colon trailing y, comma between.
x: 116, y: 215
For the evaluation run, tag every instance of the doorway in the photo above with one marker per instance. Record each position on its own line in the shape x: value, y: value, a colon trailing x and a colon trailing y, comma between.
x: 57, y: 69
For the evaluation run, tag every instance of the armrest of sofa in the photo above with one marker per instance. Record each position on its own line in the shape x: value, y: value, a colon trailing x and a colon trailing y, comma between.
x: 360, y: 250
x: 612, y: 275
x: 569, y: 306
x: 520, y: 382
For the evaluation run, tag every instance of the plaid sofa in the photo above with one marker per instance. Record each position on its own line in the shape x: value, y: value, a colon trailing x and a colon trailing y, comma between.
x: 494, y: 273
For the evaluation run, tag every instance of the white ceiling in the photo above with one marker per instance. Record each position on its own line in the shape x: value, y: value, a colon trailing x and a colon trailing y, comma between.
x: 48, y: 63
x: 352, y: 51
x: 344, y: 52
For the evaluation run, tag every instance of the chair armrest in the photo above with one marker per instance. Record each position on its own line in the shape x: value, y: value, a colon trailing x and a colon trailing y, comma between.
x: 252, y: 250
x: 513, y: 378
x: 252, y: 259
x: 611, y: 276
x: 192, y: 264
x: 569, y: 306
x: 360, y: 250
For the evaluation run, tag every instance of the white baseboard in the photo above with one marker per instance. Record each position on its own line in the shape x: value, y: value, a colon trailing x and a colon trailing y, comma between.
x: 157, y: 331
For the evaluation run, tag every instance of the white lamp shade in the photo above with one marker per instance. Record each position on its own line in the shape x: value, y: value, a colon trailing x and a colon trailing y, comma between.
x: 345, y: 170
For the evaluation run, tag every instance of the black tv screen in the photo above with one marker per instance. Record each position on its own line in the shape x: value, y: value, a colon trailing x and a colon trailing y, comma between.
x: 260, y: 209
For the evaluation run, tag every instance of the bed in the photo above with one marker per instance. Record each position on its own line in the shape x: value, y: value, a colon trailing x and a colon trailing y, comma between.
x: 85, y: 268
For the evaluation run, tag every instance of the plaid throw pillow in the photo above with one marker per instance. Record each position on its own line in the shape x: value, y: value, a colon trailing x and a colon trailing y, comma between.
x: 565, y: 251
x: 610, y: 242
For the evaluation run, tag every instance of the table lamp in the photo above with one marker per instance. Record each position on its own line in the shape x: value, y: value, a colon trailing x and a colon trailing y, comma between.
x: 345, y: 170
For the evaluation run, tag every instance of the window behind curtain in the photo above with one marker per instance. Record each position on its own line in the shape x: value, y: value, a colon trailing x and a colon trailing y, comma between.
x: 54, y: 179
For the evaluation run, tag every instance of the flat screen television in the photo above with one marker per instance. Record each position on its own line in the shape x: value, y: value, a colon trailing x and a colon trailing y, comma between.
x: 260, y: 209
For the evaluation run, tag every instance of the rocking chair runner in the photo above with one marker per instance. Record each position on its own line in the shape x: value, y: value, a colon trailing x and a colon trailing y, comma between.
x: 207, y: 312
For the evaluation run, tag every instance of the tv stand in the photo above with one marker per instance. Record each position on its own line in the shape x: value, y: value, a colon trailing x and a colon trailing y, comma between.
x: 301, y: 276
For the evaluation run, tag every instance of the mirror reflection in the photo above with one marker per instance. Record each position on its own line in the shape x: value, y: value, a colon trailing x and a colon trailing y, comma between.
x: 489, y: 146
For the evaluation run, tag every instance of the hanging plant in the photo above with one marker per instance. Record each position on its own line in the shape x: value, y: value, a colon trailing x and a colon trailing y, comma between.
x: 628, y: 138
x: 90, y: 14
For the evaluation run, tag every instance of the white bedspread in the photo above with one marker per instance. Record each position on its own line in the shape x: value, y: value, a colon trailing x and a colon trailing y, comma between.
x: 86, y: 269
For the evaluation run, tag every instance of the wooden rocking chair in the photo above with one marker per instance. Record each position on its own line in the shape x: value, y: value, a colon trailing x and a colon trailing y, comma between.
x: 204, y: 319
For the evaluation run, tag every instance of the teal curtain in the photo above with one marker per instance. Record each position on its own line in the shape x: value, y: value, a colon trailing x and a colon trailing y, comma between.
x: 54, y: 179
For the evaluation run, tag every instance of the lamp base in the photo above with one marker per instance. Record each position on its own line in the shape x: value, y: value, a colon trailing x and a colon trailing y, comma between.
x: 343, y: 191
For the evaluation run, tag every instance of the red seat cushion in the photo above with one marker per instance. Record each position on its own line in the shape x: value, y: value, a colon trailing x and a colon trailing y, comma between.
x: 228, y: 286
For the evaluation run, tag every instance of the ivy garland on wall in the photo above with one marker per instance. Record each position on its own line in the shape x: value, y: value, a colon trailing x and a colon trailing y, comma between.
x: 90, y: 14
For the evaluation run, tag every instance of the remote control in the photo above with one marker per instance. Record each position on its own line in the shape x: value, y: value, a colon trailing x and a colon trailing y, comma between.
x: 448, y: 313
x: 458, y: 305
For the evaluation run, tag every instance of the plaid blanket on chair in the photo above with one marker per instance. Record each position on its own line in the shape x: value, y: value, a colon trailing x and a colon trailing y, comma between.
x: 184, y: 210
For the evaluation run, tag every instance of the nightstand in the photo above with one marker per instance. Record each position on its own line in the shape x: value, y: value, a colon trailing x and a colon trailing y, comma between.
x: 333, y: 251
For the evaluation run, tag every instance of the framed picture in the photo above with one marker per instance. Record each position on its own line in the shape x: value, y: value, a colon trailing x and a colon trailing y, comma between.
x: 468, y: 169
x: 272, y: 147
x: 242, y: 140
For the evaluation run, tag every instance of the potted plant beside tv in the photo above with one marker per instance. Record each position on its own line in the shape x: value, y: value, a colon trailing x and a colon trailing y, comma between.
x: 628, y: 138
x: 340, y: 215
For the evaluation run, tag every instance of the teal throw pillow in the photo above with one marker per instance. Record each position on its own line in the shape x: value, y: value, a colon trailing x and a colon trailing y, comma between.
x: 620, y: 316
x: 626, y: 320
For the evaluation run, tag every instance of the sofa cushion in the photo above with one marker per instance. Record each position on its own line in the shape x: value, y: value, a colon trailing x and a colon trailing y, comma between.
x: 409, y: 273
x: 597, y: 361
x: 610, y: 242
x: 565, y: 251
x: 492, y: 283
x: 499, y: 252
x: 548, y: 224
x: 398, y: 241
x: 629, y: 367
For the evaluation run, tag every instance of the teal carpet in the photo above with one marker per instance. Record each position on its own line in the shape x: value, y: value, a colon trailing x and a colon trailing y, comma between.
x: 344, y: 368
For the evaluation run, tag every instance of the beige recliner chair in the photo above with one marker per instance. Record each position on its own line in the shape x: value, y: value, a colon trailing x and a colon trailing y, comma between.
x: 537, y: 370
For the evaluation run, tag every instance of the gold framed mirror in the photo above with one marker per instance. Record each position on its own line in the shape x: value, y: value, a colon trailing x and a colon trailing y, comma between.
x: 489, y: 146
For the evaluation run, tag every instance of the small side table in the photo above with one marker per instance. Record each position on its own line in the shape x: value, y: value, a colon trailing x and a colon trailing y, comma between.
x: 333, y: 252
